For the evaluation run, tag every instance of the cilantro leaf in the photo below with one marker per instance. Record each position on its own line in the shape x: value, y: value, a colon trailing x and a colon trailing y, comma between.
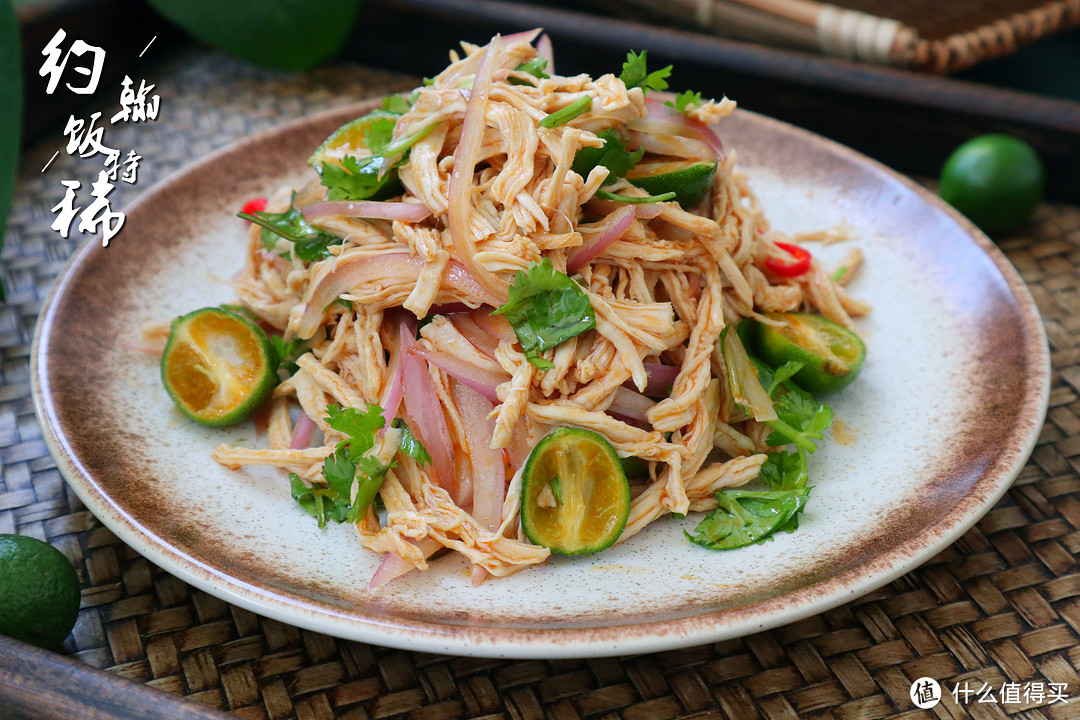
x: 339, y: 470
x: 410, y: 445
x: 320, y: 503
x: 359, y: 426
x: 285, y: 354
x: 579, y: 107
x: 784, y: 470
x: 400, y: 104
x: 545, y: 308
x: 309, y: 243
x: 613, y: 155
x: 378, y: 134
x: 635, y: 74
x: 534, y: 67
x: 360, y: 179
x: 684, y: 100
x: 800, y: 419
x: 744, y: 517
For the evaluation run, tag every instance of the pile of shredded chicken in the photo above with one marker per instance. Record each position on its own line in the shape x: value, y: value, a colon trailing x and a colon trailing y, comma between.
x: 499, y: 198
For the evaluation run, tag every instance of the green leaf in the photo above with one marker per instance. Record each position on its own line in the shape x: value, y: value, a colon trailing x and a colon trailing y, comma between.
x: 784, y: 470
x: 410, y: 445
x: 309, y: 243
x: 359, y: 426
x: 321, y: 503
x: 281, y: 34
x: 378, y: 134
x: 339, y: 470
x: 11, y: 116
x: 579, y: 107
x: 684, y: 100
x: 400, y: 104
x: 635, y: 74
x: 744, y: 517
x: 286, y: 354
x: 353, y: 179
x: 545, y: 308
x: 605, y: 195
x: 613, y: 155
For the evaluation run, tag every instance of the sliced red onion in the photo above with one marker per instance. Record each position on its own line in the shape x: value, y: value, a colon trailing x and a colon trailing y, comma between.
x: 472, y: 332
x: 461, y: 178
x: 544, y: 50
x: 631, y: 404
x: 661, y: 378
x: 660, y: 111
x: 614, y: 225
x: 519, y: 447
x: 488, y: 469
x: 495, y: 325
x: 301, y: 434
x: 410, y: 212
x: 353, y: 273
x: 425, y: 413
x: 391, y: 397
x: 482, y: 381
x: 523, y: 36
x: 674, y: 145
x: 643, y: 211
x: 393, y: 567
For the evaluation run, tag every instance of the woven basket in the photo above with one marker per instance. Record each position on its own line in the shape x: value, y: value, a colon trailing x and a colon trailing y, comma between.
x: 939, y: 36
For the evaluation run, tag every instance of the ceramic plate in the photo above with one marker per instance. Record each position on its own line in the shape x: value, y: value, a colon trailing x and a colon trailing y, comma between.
x: 948, y: 408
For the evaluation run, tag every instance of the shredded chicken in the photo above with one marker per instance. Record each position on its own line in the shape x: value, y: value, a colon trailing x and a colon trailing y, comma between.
x: 502, y: 192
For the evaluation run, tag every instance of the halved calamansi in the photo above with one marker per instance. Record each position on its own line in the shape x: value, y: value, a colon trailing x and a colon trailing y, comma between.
x: 218, y: 367
x: 574, y: 495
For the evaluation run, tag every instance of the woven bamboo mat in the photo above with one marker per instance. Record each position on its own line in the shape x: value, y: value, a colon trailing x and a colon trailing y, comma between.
x: 1002, y: 605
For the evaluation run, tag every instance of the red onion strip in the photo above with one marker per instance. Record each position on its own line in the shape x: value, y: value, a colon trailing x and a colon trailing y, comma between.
x: 642, y: 211
x: 630, y: 404
x: 544, y: 50
x: 494, y: 325
x: 425, y: 413
x: 674, y: 145
x: 461, y: 179
x: 355, y: 272
x: 472, y: 332
x: 391, y: 397
x: 411, y: 212
x: 614, y: 225
x: 660, y: 111
x: 523, y: 36
x: 301, y: 434
x: 661, y: 378
x: 482, y: 381
x: 488, y: 469
x: 393, y: 566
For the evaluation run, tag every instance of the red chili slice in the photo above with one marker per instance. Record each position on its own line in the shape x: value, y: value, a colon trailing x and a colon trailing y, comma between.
x: 254, y: 205
x: 797, y: 265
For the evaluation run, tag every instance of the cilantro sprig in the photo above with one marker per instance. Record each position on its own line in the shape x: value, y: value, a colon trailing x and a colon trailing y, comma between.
x: 743, y: 517
x: 545, y: 308
x: 309, y: 243
x: 636, y: 74
x: 534, y: 67
x: 614, y: 197
x: 613, y: 155
x: 352, y: 464
x: 685, y: 100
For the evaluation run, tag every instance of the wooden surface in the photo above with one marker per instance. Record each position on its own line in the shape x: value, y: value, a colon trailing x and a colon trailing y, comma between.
x: 39, y: 685
x: 1002, y: 605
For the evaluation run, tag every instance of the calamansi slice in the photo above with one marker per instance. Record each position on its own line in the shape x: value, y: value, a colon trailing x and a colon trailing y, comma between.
x: 349, y: 139
x: 831, y: 355
x: 688, y: 179
x: 218, y: 367
x: 574, y: 495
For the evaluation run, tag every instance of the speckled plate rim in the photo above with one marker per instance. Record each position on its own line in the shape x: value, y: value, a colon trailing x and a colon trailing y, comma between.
x: 496, y: 641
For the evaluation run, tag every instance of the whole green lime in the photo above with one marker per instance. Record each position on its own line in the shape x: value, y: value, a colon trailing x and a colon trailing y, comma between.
x: 39, y: 591
x: 997, y: 181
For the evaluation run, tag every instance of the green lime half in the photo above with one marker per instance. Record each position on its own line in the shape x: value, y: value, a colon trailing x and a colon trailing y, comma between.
x: 996, y: 180
x: 218, y: 367
x: 574, y: 495
x: 39, y: 592
x: 831, y: 355
x: 349, y: 140
x: 690, y: 180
